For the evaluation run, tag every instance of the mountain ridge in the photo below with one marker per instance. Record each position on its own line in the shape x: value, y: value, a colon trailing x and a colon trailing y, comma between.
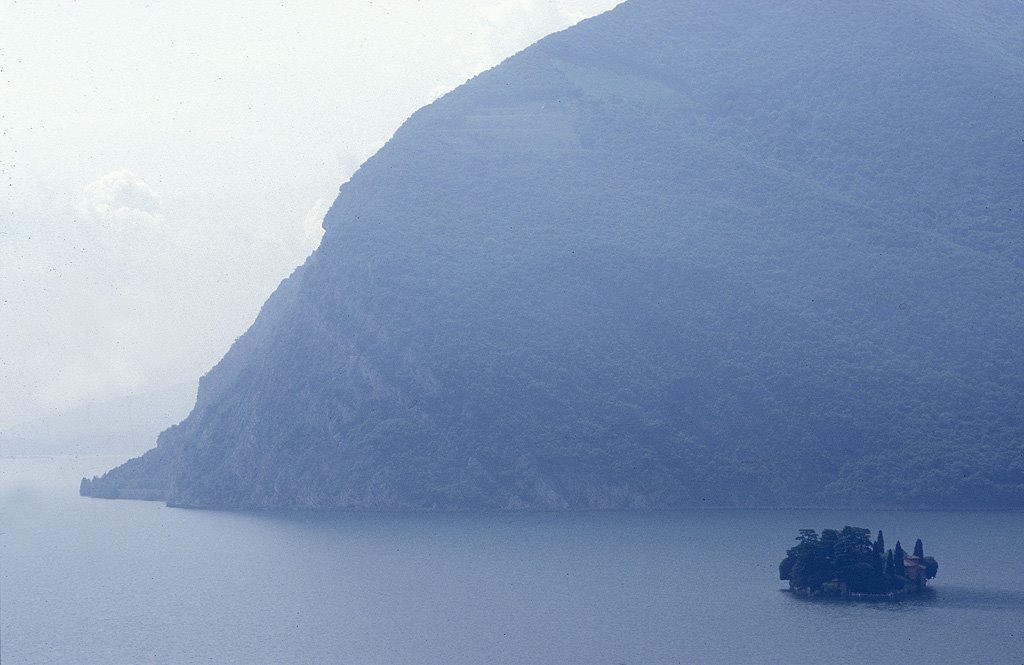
x: 674, y: 256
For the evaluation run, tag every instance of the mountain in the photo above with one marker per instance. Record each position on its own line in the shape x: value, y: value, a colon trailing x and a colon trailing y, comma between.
x: 118, y: 426
x: 681, y: 254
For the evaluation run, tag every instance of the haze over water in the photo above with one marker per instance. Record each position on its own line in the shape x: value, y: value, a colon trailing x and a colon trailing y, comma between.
x: 88, y: 581
x: 680, y: 255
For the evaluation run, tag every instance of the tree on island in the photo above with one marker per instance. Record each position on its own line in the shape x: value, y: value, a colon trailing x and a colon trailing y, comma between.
x: 899, y: 558
x: 931, y: 567
x: 878, y: 554
x: 846, y: 562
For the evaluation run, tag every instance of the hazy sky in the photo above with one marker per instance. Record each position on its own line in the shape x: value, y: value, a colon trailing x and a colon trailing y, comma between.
x: 165, y: 164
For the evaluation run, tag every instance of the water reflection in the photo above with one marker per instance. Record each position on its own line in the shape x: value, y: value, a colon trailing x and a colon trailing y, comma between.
x: 922, y: 599
x: 974, y: 598
x: 939, y: 597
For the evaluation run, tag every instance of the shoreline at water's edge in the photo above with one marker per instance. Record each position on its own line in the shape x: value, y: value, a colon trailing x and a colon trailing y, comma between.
x: 160, y: 495
x: 902, y: 594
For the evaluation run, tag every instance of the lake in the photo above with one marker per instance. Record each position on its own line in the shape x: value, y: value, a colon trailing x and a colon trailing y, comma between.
x: 95, y: 581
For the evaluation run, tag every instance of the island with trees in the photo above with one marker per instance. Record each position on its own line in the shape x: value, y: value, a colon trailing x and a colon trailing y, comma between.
x: 848, y: 564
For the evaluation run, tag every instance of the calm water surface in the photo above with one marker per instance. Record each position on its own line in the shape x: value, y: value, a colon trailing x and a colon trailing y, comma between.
x: 94, y: 581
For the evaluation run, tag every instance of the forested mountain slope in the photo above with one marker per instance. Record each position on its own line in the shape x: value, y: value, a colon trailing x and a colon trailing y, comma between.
x: 685, y: 253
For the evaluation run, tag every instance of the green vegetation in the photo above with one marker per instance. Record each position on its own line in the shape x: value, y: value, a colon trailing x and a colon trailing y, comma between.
x: 847, y: 562
x: 684, y: 254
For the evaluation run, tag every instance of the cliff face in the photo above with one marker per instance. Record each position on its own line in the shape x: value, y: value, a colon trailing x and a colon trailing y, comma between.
x: 681, y: 254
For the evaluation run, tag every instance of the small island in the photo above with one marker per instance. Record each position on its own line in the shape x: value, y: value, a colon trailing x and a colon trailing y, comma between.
x: 847, y: 564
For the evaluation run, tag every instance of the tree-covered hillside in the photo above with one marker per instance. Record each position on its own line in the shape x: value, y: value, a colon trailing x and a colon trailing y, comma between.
x: 685, y: 253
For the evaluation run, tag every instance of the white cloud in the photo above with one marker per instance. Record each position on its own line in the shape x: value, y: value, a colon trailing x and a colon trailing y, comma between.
x: 312, y: 224
x: 120, y: 198
x: 130, y: 282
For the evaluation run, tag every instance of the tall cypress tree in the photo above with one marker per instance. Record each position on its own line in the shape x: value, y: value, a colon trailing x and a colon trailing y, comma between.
x: 897, y: 559
x: 878, y: 554
x: 919, y: 549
